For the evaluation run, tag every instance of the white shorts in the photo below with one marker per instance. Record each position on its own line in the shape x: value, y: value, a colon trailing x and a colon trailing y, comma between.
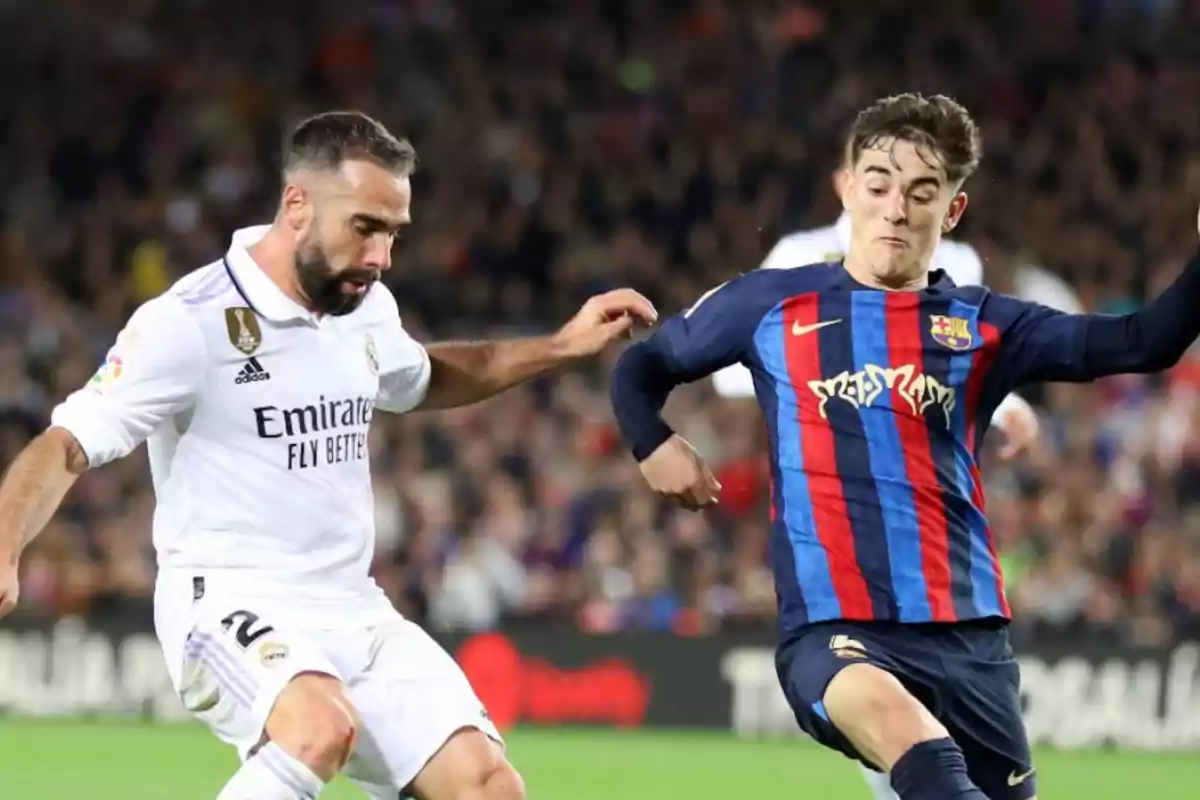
x: 229, y: 662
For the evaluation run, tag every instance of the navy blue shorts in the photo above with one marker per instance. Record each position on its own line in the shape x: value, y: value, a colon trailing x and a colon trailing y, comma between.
x: 965, y: 674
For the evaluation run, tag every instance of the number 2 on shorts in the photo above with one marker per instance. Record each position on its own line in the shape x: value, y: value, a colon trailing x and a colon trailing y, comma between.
x: 244, y: 636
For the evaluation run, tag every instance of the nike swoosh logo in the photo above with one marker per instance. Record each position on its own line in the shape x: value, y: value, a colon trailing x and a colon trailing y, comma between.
x: 1016, y: 780
x: 800, y: 330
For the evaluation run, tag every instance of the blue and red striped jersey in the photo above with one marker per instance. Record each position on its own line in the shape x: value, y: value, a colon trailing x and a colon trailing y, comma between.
x: 876, y: 404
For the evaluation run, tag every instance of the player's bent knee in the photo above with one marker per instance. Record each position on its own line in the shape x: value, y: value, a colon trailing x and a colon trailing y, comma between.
x: 314, y: 721
x: 469, y: 766
x: 503, y: 782
x: 878, y: 715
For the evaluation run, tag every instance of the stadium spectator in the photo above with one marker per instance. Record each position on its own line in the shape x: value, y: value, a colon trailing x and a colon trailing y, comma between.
x: 568, y: 151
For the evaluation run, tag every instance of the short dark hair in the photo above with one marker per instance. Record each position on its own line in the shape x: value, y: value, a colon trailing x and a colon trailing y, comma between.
x: 326, y: 140
x: 936, y: 123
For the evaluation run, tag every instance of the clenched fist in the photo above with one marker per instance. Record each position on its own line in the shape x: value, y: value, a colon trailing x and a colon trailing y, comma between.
x: 1021, y: 428
x: 677, y: 472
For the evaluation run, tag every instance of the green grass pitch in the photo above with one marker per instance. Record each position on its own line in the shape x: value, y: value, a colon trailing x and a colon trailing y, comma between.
x: 62, y: 760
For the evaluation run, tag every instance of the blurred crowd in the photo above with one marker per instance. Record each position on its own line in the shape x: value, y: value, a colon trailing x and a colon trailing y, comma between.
x: 569, y: 146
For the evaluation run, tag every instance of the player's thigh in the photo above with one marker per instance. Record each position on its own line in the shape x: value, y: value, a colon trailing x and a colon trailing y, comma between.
x: 841, y: 682
x: 984, y: 717
x: 314, y: 721
x: 416, y: 705
x: 470, y: 765
x: 878, y: 714
x: 233, y: 667
x: 805, y: 666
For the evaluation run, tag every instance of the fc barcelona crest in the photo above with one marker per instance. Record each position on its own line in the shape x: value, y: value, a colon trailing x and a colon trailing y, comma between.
x: 952, y: 332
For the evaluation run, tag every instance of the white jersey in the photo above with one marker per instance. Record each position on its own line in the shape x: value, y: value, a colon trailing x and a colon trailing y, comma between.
x: 831, y: 243
x: 256, y: 415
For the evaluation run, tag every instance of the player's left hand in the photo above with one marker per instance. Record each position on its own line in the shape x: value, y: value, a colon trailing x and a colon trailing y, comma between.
x: 678, y: 473
x: 602, y: 320
x: 1020, y: 425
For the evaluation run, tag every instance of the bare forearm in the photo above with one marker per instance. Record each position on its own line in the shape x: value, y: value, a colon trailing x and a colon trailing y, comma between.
x: 467, y: 372
x: 34, y: 487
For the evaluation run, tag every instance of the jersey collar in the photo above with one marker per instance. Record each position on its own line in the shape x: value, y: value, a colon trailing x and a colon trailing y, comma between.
x: 260, y: 292
x: 940, y: 281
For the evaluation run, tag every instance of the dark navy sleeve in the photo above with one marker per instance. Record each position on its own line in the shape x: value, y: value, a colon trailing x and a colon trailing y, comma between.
x: 1041, y: 344
x: 714, y: 333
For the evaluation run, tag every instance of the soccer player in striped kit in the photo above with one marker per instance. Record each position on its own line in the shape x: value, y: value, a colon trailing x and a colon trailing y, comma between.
x: 1014, y: 417
x: 878, y: 377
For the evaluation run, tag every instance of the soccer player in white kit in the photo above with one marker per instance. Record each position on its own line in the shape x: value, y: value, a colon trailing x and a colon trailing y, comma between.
x: 254, y: 381
x: 1014, y: 417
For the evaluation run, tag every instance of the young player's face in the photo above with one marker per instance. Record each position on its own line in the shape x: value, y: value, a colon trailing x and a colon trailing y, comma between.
x: 347, y: 244
x: 900, y: 204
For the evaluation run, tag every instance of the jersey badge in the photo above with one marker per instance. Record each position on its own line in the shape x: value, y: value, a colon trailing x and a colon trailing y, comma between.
x: 372, y: 355
x: 951, y: 332
x: 845, y: 647
x: 109, y: 372
x: 242, y: 325
x: 271, y: 653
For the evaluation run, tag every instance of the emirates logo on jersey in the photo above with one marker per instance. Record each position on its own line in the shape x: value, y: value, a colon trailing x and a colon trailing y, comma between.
x: 323, y: 433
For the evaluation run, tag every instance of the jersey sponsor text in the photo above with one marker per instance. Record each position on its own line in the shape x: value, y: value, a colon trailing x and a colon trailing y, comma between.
x: 301, y: 422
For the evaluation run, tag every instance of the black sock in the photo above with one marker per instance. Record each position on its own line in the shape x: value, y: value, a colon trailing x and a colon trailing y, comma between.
x: 934, y: 770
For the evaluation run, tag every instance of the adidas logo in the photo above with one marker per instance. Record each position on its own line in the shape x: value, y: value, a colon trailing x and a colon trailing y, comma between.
x: 253, y: 371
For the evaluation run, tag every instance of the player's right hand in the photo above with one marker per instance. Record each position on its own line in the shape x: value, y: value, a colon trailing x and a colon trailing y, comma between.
x: 9, y: 589
x: 677, y: 472
x: 603, y: 320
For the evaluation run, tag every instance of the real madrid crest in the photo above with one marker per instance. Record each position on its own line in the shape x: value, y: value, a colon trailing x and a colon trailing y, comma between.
x: 242, y: 325
x: 372, y: 355
x: 951, y: 332
x: 272, y: 653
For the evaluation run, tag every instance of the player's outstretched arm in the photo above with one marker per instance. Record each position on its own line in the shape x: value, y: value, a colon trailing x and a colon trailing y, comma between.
x: 152, y: 372
x: 32, y: 490
x: 643, y: 379
x: 1041, y: 344
x: 462, y: 373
